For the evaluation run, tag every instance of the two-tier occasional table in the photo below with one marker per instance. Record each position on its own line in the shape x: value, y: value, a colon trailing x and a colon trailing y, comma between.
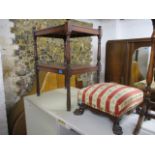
x: 65, y: 32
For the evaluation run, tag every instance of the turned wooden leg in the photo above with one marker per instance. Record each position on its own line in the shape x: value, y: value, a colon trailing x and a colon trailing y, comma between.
x: 80, y: 110
x: 140, y: 120
x: 36, y: 62
x: 147, y: 116
x: 117, y: 129
x: 68, y: 93
x: 37, y: 83
x: 139, y: 124
x: 65, y: 81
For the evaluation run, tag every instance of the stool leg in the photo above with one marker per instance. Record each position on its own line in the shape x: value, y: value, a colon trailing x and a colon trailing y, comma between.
x: 117, y: 129
x: 80, y: 110
x: 140, y: 120
x: 139, y: 124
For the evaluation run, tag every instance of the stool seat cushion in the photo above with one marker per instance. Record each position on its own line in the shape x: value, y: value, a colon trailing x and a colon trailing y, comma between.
x: 112, y: 98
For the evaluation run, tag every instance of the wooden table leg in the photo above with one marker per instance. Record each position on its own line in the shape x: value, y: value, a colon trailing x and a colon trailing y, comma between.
x: 37, y: 82
x: 140, y: 120
x: 68, y: 93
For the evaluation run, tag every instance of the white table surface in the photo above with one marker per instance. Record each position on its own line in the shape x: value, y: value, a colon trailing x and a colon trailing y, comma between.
x: 54, y: 104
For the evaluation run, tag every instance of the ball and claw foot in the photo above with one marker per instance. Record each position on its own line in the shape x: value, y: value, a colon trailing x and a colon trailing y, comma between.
x: 135, y: 132
x: 117, y: 129
x: 80, y: 110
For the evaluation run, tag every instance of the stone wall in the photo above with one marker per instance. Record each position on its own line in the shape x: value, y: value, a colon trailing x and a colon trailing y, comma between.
x: 8, y: 61
x: 19, y: 72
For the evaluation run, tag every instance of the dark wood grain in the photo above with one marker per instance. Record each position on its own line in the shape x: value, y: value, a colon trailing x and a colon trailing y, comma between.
x: 67, y: 31
x: 119, y: 58
x: 118, y: 69
x: 99, y: 54
x: 61, y: 32
x: 148, y: 103
x: 36, y: 62
x: 61, y: 69
x: 65, y: 62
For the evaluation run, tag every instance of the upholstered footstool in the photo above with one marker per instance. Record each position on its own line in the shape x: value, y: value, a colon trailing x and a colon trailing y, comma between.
x: 110, y: 98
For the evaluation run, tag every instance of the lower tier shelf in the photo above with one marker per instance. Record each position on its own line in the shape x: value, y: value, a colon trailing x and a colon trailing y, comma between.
x: 60, y: 69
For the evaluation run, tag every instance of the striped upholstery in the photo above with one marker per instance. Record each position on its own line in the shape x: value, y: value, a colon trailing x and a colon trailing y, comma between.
x: 111, y: 98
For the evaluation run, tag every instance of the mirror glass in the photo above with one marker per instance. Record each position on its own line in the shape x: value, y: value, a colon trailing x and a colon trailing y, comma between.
x: 140, y: 62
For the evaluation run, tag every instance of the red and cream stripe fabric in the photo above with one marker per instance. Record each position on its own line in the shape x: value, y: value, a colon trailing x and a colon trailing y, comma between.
x: 111, y: 98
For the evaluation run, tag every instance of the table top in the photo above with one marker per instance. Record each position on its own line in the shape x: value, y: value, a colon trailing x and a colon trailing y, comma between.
x: 61, y: 31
